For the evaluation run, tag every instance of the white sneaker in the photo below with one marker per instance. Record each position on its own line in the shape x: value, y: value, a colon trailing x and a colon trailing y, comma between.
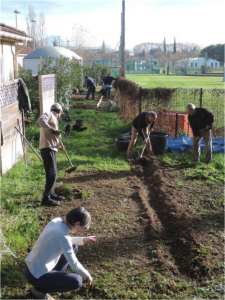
x: 40, y: 295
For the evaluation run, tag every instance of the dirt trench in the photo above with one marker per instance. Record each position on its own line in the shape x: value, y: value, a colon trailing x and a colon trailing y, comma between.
x: 175, y: 233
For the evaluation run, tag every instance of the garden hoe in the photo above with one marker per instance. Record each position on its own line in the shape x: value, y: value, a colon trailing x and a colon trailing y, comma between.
x: 73, y: 168
x: 143, y: 149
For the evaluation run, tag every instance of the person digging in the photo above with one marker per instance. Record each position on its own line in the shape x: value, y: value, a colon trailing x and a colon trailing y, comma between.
x: 55, y: 249
x: 201, y: 120
x: 142, y: 125
x: 49, y: 145
x: 91, y: 86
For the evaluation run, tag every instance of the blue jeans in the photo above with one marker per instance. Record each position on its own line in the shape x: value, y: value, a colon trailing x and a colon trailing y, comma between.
x: 108, y: 90
x: 56, y: 280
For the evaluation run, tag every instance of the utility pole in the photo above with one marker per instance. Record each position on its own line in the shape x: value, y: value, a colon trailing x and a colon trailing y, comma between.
x: 122, y: 70
x: 16, y: 13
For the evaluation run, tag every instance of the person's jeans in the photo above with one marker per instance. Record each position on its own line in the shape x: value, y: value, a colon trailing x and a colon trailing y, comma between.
x: 108, y: 91
x: 49, y: 158
x: 207, y: 137
x: 56, y: 280
x: 91, y: 90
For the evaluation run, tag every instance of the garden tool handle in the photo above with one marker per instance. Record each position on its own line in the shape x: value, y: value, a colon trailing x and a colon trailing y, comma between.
x: 64, y: 150
x: 29, y: 144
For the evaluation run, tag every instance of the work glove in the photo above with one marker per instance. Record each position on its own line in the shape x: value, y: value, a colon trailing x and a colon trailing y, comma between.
x: 56, y: 132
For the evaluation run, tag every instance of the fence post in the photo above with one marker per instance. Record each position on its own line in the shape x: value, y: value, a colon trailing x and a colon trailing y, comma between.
x: 200, y: 98
x: 176, y: 126
x: 140, y: 88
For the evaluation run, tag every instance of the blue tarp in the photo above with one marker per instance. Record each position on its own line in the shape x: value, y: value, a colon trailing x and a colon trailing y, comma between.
x: 183, y: 143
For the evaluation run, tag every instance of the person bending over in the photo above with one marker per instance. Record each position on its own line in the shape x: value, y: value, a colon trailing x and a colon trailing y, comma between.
x: 201, y: 120
x: 91, y: 86
x: 55, y: 249
x: 49, y: 145
x: 142, y: 125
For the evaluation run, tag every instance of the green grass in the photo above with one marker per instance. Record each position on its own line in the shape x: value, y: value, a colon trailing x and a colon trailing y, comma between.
x: 187, y: 82
x: 93, y: 149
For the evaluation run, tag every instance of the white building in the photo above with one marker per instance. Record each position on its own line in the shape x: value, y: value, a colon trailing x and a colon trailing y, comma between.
x: 23, y: 53
x: 9, y: 36
x: 198, y: 62
x: 32, y: 60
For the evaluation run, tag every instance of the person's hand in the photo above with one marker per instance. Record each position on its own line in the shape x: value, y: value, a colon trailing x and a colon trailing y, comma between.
x: 90, y: 239
x: 207, y: 127
x: 197, y: 138
x: 89, y: 280
x: 55, y: 132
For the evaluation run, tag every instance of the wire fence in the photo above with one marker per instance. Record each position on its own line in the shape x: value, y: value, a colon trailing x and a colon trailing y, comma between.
x: 171, y: 104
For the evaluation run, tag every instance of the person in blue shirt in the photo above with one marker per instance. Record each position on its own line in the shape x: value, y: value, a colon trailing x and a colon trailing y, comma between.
x: 91, y: 86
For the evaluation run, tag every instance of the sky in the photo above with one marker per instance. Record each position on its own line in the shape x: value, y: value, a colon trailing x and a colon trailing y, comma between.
x: 190, y: 21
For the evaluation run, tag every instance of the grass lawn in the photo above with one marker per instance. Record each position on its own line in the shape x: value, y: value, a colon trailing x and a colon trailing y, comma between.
x: 169, y: 248
x: 186, y: 82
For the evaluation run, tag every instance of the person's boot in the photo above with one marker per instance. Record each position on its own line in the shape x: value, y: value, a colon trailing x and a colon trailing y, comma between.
x: 49, y: 202
x: 57, y: 197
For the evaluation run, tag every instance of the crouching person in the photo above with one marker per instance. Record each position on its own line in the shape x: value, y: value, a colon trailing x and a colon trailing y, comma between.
x: 142, y: 125
x: 54, y: 250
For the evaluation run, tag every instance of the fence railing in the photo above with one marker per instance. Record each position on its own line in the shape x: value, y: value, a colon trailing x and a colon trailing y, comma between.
x: 175, y: 101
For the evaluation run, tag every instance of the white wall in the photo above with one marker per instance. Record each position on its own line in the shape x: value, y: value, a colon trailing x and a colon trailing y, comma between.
x: 7, y: 61
x: 32, y: 64
x: 20, y: 60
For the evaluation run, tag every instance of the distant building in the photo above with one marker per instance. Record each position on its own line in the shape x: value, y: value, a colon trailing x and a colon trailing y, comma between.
x: 197, y: 62
x: 32, y: 60
x: 23, y: 53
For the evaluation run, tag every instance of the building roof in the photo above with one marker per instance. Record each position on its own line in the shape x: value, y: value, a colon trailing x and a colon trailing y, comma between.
x: 52, y: 51
x: 13, y: 34
x: 25, y: 51
x: 10, y: 29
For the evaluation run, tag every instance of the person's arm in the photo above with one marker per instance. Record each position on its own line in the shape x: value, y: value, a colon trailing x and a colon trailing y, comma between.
x: 193, y: 127
x: 43, y: 121
x: 68, y: 252
x: 152, y: 125
x: 210, y: 118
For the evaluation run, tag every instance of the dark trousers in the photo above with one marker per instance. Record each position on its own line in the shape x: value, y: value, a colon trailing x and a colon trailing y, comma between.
x: 91, y: 90
x: 56, y: 280
x: 49, y: 158
x: 108, y: 92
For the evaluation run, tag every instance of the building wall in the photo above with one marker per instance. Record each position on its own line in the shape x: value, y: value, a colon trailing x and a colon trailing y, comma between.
x: 20, y: 60
x: 32, y: 64
x: 7, y: 61
x: 12, y: 149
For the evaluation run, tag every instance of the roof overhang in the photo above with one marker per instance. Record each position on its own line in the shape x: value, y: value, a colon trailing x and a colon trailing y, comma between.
x: 13, y: 37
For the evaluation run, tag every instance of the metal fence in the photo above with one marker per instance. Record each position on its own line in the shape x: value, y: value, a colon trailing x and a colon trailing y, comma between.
x: 175, y: 101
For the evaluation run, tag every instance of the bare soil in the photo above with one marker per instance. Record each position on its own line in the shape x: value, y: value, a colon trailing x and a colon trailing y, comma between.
x: 145, y: 217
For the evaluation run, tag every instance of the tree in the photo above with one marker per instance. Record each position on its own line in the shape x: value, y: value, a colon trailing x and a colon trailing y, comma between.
x: 214, y: 51
x: 31, y: 24
x: 41, y: 29
x: 55, y: 42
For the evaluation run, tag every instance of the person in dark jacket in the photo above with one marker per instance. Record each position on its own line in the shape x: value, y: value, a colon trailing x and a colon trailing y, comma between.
x: 142, y: 125
x: 201, y: 120
x: 91, y: 86
x: 108, y: 79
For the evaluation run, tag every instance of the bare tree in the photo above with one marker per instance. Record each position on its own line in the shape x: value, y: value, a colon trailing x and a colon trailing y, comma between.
x: 31, y: 24
x: 41, y: 29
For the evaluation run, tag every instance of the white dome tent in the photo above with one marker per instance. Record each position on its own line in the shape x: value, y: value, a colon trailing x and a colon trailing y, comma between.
x: 32, y: 60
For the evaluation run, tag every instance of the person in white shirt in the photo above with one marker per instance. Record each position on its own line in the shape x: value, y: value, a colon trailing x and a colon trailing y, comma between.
x: 55, y: 249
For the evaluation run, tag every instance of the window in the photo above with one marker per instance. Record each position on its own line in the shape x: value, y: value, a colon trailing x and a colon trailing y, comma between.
x: 191, y: 65
x: 196, y: 65
x: 211, y: 65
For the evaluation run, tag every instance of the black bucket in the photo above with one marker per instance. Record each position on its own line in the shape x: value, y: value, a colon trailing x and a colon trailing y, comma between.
x: 158, y: 142
x: 122, y: 145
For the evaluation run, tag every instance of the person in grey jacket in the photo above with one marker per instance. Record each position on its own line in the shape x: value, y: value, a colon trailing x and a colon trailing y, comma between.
x: 49, y: 145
